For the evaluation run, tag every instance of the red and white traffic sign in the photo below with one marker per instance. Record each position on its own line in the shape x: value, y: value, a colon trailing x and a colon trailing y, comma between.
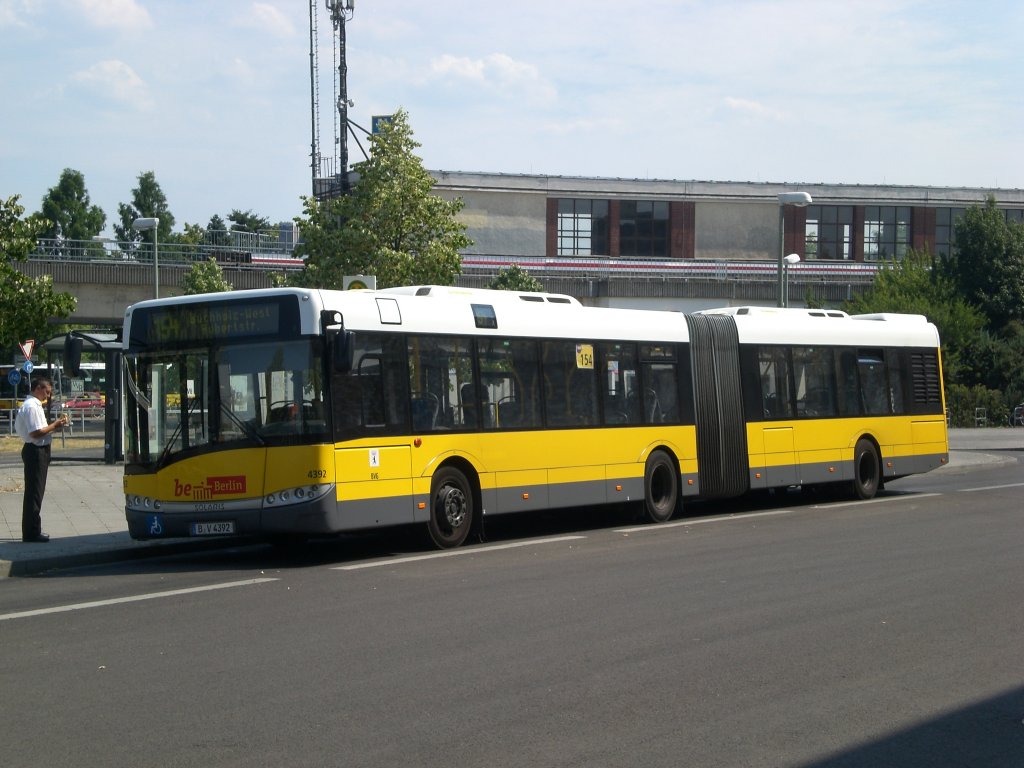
x: 27, y: 347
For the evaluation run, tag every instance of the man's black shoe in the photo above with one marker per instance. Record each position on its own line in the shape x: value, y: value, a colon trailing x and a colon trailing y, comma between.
x: 42, y: 538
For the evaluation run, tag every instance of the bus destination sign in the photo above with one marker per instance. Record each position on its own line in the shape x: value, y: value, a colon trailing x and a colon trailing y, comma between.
x: 179, y: 324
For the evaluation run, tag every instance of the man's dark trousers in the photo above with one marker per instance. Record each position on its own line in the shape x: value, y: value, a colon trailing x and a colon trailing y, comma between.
x: 37, y: 463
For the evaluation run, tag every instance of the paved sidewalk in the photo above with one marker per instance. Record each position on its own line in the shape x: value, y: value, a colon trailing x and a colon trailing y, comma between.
x: 84, y: 508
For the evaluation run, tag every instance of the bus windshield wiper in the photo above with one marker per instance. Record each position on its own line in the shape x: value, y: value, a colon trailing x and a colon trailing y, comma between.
x: 166, y: 453
x: 246, y: 428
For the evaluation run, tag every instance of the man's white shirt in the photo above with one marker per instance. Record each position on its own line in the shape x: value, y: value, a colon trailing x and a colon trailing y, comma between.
x: 30, y: 418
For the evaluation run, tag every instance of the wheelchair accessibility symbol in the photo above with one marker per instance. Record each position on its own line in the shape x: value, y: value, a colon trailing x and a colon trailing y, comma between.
x: 155, y: 527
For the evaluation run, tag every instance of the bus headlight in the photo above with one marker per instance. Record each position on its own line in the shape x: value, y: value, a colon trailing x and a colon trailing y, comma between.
x: 303, y: 493
x: 140, y: 503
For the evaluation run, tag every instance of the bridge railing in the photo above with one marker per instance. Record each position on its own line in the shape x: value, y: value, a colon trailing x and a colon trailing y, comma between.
x: 675, y: 269
x: 252, y: 254
x: 267, y: 258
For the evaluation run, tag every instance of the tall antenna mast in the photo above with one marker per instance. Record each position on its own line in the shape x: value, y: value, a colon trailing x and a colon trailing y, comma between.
x: 341, y: 11
x: 314, y: 97
x: 330, y: 174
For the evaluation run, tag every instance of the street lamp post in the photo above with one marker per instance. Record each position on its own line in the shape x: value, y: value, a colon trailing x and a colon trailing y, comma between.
x: 801, y: 200
x: 789, y: 261
x: 141, y: 225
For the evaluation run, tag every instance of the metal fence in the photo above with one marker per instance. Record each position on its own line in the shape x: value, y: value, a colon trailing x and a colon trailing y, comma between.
x: 254, y: 252
x: 674, y: 269
x: 267, y: 254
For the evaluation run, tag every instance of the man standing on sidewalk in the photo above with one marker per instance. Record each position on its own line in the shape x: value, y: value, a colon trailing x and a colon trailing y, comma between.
x: 32, y: 427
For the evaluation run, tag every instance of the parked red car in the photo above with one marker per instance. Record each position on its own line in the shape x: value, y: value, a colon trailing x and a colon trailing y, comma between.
x: 87, y: 401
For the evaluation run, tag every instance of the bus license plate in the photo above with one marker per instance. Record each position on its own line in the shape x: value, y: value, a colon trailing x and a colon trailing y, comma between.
x: 212, y: 529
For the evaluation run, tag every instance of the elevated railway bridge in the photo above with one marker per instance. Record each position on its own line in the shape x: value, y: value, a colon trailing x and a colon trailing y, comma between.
x: 105, y: 279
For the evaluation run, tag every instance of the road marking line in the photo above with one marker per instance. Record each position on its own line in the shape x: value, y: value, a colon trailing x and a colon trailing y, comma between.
x: 719, y: 519
x: 991, y: 487
x: 454, y: 553
x: 876, y: 500
x: 131, y: 599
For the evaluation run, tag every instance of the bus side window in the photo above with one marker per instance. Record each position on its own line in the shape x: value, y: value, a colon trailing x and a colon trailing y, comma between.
x: 873, y: 384
x: 511, y: 371
x: 371, y: 389
x: 661, y: 393
x: 848, y: 386
x: 569, y: 384
x: 556, y: 383
x: 620, y: 399
x: 773, y: 364
x: 372, y: 398
x: 813, y: 374
x: 583, y: 394
x: 439, y: 366
x: 894, y: 359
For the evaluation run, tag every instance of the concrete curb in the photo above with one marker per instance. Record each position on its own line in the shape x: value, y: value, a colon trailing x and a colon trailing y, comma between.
x: 33, y: 566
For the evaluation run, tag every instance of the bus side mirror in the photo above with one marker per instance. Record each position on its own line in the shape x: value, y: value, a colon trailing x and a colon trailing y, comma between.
x: 72, y: 355
x: 343, y: 351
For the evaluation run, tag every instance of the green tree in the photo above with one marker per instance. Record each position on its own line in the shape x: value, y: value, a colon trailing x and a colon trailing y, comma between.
x: 217, y: 231
x: 148, y: 200
x: 988, y: 263
x: 515, y: 278
x: 914, y: 285
x: 247, y: 221
x: 205, y: 277
x: 389, y: 225
x: 191, y: 234
x: 68, y: 211
x: 26, y: 304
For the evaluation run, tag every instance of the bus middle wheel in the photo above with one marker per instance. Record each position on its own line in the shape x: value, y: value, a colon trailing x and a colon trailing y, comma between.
x: 661, y: 487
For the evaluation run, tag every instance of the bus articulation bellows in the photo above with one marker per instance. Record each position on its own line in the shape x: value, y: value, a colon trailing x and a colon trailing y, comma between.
x: 308, y: 412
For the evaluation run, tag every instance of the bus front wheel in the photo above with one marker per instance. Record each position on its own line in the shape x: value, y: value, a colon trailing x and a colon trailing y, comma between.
x: 661, y: 487
x: 867, y: 468
x: 451, y: 508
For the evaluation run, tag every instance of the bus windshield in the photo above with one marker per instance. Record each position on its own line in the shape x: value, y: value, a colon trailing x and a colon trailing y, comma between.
x: 199, y: 398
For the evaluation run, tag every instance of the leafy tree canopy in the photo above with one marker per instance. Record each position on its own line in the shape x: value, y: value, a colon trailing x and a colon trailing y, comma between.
x: 205, y: 277
x: 247, y: 221
x: 515, y: 278
x: 988, y: 263
x: 191, y: 234
x: 389, y: 225
x: 915, y: 286
x: 217, y: 231
x: 26, y: 304
x: 148, y: 201
x: 68, y: 211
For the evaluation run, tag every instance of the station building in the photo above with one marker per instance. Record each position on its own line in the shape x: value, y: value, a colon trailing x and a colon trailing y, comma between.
x: 696, y: 244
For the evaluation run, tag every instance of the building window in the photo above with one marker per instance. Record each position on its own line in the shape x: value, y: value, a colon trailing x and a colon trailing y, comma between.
x: 886, y: 232
x: 582, y: 227
x: 829, y: 232
x: 945, y: 227
x: 643, y: 228
x: 946, y: 220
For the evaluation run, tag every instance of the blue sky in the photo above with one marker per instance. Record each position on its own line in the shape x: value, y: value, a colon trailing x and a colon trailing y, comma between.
x: 214, y: 97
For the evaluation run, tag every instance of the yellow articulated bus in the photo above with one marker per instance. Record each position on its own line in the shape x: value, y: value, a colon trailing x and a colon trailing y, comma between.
x: 308, y: 412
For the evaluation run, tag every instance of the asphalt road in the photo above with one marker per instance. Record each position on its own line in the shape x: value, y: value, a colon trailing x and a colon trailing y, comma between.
x: 796, y: 631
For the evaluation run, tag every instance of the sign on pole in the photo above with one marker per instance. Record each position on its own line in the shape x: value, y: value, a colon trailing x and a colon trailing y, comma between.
x: 359, y: 282
x: 377, y: 121
x: 26, y: 348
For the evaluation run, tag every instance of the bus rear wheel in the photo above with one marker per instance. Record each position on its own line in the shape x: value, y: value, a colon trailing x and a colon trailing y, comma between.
x: 661, y: 487
x: 451, y: 508
x: 867, y: 468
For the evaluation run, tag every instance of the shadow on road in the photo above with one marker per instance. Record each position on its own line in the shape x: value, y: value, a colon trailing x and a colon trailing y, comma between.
x: 988, y: 734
